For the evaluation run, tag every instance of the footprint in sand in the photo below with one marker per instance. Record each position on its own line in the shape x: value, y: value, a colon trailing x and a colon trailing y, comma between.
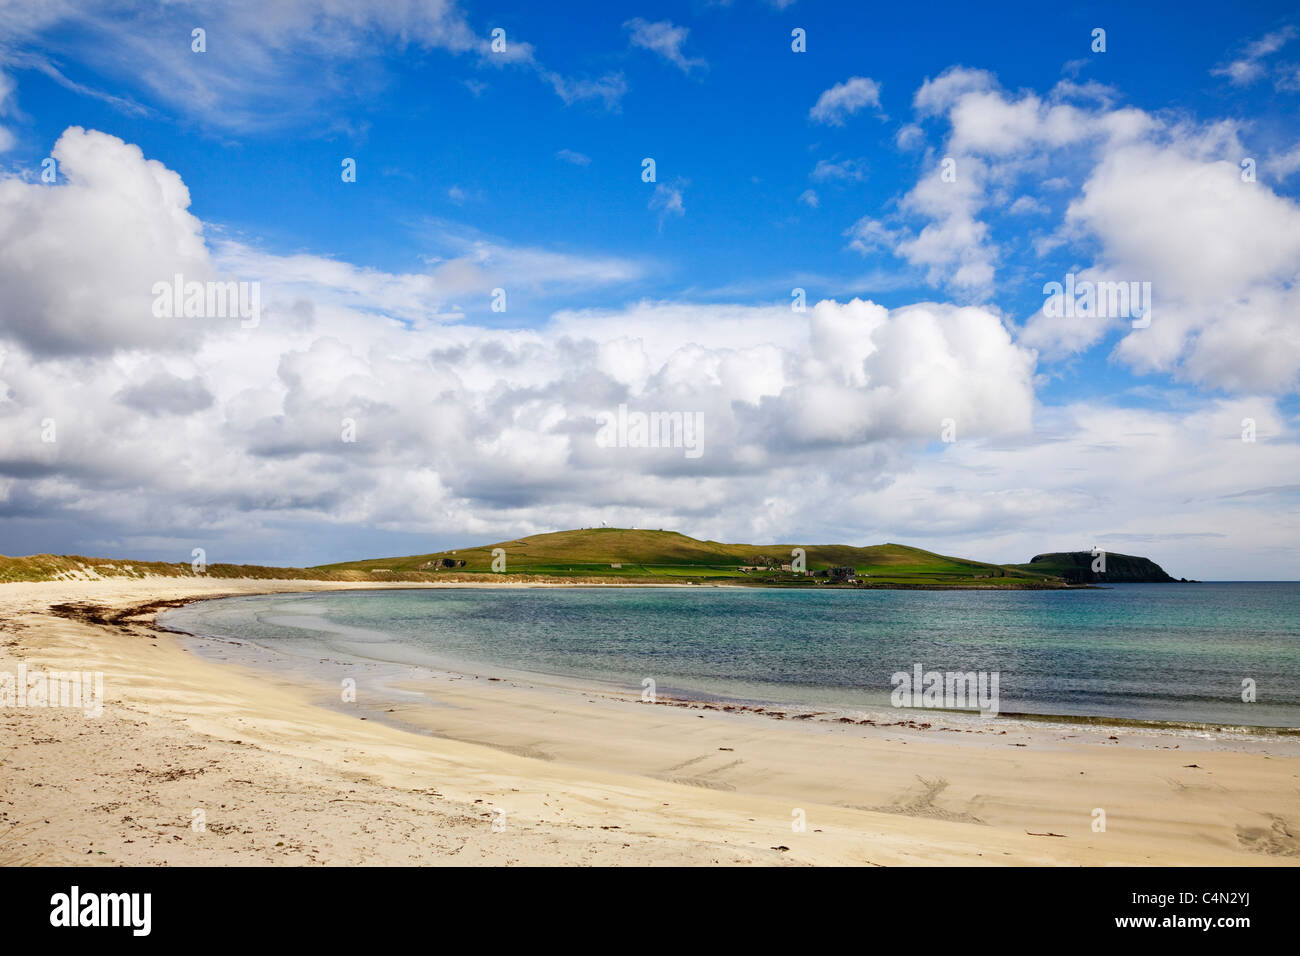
x: 705, y: 778
x: 922, y: 804
x: 1277, y: 840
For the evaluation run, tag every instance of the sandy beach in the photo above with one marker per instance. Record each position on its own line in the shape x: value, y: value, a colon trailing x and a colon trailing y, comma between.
x: 504, y: 771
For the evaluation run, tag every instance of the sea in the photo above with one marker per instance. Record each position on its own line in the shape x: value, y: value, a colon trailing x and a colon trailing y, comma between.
x: 1214, y: 656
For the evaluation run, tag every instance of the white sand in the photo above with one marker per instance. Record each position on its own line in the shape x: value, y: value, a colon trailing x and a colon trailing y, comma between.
x: 578, y: 778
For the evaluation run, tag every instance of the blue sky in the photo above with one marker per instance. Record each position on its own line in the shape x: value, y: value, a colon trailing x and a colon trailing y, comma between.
x: 736, y: 128
x: 523, y: 169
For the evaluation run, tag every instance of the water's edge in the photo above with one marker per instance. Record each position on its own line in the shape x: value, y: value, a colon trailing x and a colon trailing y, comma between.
x: 276, y: 660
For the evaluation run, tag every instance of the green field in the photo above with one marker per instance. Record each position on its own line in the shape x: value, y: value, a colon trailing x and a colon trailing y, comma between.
x: 56, y: 567
x: 641, y: 556
x: 632, y: 556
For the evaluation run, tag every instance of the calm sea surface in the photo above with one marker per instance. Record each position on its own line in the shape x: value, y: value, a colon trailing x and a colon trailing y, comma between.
x: 1145, y: 652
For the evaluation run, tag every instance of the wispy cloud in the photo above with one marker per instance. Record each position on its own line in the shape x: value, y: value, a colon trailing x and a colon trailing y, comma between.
x: 608, y: 89
x: 574, y: 157
x: 1250, y: 66
x: 669, y: 199
x: 664, y: 39
x: 319, y: 55
x: 844, y: 170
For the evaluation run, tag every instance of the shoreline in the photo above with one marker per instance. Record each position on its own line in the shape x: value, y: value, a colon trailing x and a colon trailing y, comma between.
x: 793, y: 709
x: 577, y: 779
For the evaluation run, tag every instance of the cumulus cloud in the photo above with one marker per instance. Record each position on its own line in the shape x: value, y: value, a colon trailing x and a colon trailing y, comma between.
x: 73, y: 281
x: 954, y: 245
x: 844, y: 99
x: 470, y: 426
x: 1223, y: 257
x: 458, y: 427
x: 220, y: 435
x: 938, y: 95
x: 1160, y: 199
x: 163, y: 393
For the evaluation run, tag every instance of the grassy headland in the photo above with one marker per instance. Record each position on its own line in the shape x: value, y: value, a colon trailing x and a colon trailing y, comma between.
x: 634, y: 556
x: 642, y: 556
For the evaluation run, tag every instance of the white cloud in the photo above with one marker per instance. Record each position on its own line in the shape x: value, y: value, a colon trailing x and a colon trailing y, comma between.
x: 988, y: 124
x: 909, y: 136
x: 665, y: 39
x: 844, y: 99
x: 608, y: 89
x: 845, y: 170
x: 1223, y: 257
x: 316, y: 54
x: 73, y: 280
x: 459, y: 427
x: 1028, y: 205
x: 668, y: 199
x: 954, y: 246
x: 1284, y: 165
x: 1178, y: 485
x: 1249, y: 67
x: 7, y: 108
x: 937, y: 96
x: 574, y: 157
x: 1162, y: 201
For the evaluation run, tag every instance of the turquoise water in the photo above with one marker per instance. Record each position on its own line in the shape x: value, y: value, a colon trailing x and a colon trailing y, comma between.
x: 1168, y: 653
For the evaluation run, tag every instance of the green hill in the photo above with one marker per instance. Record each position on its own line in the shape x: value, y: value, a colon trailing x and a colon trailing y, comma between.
x: 631, y: 556
x: 1075, y: 567
x: 668, y: 556
x: 75, y: 567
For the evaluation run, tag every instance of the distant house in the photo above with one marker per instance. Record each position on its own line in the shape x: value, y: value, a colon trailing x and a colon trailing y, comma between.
x: 616, y: 566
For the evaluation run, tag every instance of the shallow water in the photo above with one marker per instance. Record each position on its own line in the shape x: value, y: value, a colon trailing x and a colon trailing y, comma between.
x: 1138, y: 652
